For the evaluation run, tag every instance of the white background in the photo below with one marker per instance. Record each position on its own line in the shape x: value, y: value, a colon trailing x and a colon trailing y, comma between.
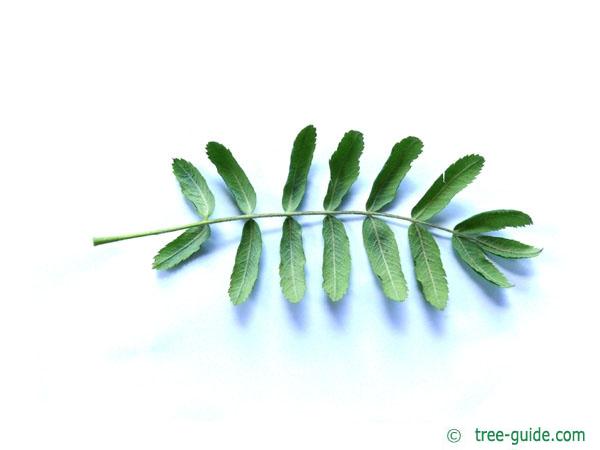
x: 99, y: 351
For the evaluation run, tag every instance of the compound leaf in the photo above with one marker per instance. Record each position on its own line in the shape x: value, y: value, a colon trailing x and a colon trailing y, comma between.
x: 393, y: 172
x: 475, y: 258
x: 233, y: 175
x: 451, y: 182
x: 291, y: 266
x: 247, y: 258
x: 379, y: 240
x: 384, y: 258
x: 300, y: 160
x: 429, y: 270
x: 493, y: 220
x: 507, y: 248
x: 194, y: 187
x: 344, y: 169
x: 336, y: 258
x: 181, y: 248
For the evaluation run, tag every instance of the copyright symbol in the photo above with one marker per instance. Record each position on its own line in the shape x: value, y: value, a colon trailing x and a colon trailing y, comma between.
x: 453, y: 435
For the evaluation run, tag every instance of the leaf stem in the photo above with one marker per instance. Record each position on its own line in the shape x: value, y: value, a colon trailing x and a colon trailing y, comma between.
x: 122, y: 237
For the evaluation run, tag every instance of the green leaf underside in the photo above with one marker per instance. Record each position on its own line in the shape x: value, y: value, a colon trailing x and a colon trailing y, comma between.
x: 475, y: 258
x: 393, y: 172
x: 344, y: 169
x: 336, y: 258
x: 300, y: 161
x: 233, y: 175
x: 429, y: 270
x: 456, y: 177
x: 382, y: 251
x: 247, y: 259
x: 181, y: 248
x: 194, y: 187
x: 507, y: 248
x: 493, y: 221
x: 291, y: 266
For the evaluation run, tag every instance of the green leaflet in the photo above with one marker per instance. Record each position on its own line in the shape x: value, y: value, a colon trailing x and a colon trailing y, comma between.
x: 302, y: 155
x: 344, y: 169
x: 194, y: 187
x: 233, y: 175
x: 291, y: 266
x: 336, y: 258
x: 507, y: 248
x: 181, y: 248
x: 493, y: 220
x: 393, y: 172
x: 472, y: 254
x: 247, y: 258
x: 384, y: 258
x: 429, y: 270
x: 451, y: 182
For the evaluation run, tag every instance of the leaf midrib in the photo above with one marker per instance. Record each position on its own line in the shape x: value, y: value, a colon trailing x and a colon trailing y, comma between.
x: 246, y: 263
x: 243, y: 191
x: 425, y: 257
x: 445, y: 184
x: 333, y: 241
x: 333, y: 187
x: 291, y: 261
x: 375, y: 198
x: 468, y: 253
x: 383, y: 185
x: 182, y: 248
x: 387, y: 268
x: 474, y: 262
x: 190, y: 177
x: 501, y: 249
x: 341, y: 173
x: 292, y: 189
x: 292, y: 177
